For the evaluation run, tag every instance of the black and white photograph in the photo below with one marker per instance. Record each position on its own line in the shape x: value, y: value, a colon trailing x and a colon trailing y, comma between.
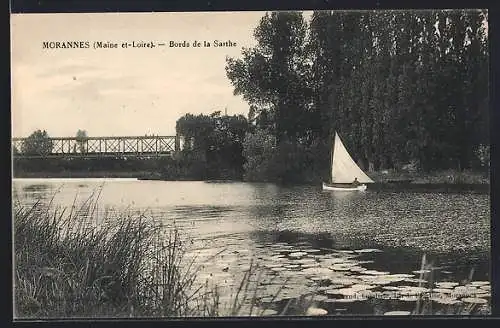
x: 331, y: 163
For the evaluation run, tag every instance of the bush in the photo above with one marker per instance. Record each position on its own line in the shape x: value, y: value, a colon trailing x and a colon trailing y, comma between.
x: 38, y: 143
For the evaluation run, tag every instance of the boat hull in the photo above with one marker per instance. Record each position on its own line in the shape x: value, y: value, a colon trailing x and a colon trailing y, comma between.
x: 347, y: 187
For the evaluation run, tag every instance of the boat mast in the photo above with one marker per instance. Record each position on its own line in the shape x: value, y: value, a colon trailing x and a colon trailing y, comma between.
x: 331, y: 158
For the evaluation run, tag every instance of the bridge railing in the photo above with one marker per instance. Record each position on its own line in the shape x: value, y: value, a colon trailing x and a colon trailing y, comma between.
x: 104, y: 146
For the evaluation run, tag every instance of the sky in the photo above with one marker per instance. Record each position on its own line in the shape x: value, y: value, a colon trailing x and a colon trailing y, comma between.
x: 122, y: 92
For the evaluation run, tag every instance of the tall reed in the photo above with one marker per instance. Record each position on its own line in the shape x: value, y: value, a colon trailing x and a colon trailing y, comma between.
x: 69, y: 264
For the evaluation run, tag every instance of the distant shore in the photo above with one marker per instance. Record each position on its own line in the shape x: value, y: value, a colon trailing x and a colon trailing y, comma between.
x: 447, y: 182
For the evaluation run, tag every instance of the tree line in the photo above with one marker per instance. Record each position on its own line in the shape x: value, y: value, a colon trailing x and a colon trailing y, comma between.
x: 398, y: 86
x: 39, y: 143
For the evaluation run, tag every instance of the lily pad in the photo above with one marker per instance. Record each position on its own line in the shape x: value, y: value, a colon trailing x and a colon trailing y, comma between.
x: 360, y: 287
x: 357, y: 269
x: 446, y: 300
x: 409, y: 290
x: 368, y: 250
x: 339, y: 267
x: 313, y: 311
x: 465, y: 290
x: 305, y: 261
x: 375, y: 272
x: 319, y: 298
x: 269, y: 312
x: 344, y: 281
x: 316, y: 271
x: 409, y: 298
x: 273, y: 265
x: 340, y: 300
x: 397, y: 313
x: 447, y: 284
x: 415, y: 280
x: 297, y: 254
x: 312, y: 250
x: 474, y: 300
x: 486, y: 288
x: 311, y: 265
x: 442, y: 290
x: 480, y: 283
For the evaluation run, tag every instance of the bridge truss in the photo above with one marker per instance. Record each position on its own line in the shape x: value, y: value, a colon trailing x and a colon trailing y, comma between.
x: 91, y: 147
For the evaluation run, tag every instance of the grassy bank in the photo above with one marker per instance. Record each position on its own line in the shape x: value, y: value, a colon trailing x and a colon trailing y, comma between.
x: 434, y: 177
x: 66, y: 266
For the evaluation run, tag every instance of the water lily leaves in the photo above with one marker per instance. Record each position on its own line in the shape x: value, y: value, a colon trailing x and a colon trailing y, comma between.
x: 269, y: 312
x: 447, y: 284
x: 297, y: 254
x: 312, y: 251
x: 316, y: 271
x: 311, y: 265
x: 357, y: 269
x: 344, y: 281
x: 330, y: 261
x: 479, y: 283
x: 360, y: 287
x: 375, y: 272
x: 465, y: 291
x: 415, y: 281
x: 344, y: 300
x: 273, y: 265
x: 410, y: 290
x: 446, y: 300
x: 313, y: 311
x: 485, y: 288
x: 367, y: 250
x: 442, y: 290
x: 409, y: 298
x: 474, y: 300
x: 397, y: 313
x: 339, y: 267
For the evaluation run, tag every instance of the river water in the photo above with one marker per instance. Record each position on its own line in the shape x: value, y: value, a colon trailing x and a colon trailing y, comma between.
x: 325, y: 243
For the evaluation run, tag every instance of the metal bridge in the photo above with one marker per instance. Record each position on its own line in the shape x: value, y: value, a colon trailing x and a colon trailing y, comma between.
x: 98, y: 147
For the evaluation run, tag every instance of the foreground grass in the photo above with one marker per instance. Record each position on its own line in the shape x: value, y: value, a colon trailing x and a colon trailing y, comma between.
x: 66, y: 265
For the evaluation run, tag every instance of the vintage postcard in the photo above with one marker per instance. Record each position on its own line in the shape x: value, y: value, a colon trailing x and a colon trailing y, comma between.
x: 286, y: 163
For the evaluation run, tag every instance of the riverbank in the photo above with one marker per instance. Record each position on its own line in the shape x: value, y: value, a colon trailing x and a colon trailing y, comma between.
x: 78, y: 174
x: 439, y: 181
x: 430, y: 187
x: 433, y: 177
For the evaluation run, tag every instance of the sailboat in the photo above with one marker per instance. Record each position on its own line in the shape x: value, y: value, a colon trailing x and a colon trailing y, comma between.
x: 345, y: 172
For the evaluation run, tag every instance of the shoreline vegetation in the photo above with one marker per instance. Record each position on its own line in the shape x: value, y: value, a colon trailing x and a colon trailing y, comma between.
x: 439, y: 181
x: 74, y: 263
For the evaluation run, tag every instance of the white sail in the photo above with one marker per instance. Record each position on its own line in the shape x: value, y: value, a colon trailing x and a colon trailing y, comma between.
x: 344, y: 169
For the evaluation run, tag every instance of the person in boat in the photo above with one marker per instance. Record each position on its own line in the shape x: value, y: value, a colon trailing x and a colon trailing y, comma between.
x: 355, y: 183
